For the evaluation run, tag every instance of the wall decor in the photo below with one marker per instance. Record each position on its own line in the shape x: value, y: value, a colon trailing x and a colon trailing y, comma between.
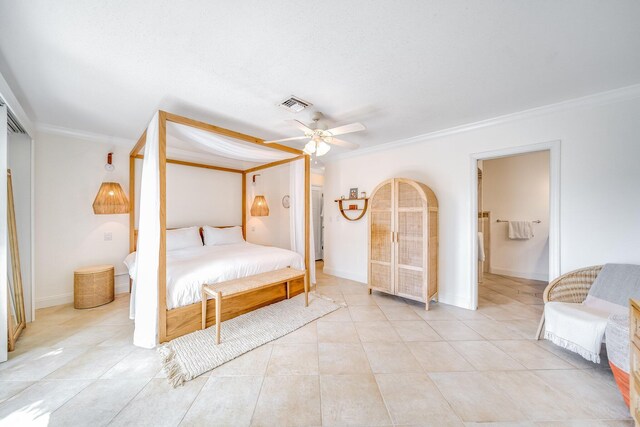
x: 286, y: 201
x: 353, y: 193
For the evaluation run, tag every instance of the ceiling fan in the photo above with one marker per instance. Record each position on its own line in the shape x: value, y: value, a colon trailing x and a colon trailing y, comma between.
x: 321, y: 138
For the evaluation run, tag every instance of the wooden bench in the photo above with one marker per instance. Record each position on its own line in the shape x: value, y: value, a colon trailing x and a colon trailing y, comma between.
x: 235, y: 287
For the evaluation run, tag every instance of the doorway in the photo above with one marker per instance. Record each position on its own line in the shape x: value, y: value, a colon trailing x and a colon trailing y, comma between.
x: 526, y: 260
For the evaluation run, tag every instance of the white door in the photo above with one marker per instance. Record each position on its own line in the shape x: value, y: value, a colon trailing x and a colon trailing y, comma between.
x: 3, y: 233
x: 318, y: 227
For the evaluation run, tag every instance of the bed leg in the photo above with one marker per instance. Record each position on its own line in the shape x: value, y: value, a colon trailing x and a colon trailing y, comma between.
x: 218, y: 320
x: 204, y: 309
x: 306, y: 291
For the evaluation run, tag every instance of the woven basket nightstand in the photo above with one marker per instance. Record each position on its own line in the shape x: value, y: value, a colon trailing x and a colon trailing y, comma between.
x: 93, y: 286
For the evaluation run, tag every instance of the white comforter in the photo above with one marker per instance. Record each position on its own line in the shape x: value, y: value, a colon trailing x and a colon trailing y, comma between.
x: 188, y: 269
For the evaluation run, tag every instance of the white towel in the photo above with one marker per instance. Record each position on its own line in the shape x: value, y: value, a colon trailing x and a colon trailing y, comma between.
x: 481, y: 256
x: 520, y: 230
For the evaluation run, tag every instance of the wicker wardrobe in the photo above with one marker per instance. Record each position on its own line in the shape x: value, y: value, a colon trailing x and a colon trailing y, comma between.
x: 403, y: 240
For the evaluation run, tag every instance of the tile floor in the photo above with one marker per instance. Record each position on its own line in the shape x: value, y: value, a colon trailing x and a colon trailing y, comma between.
x: 379, y: 361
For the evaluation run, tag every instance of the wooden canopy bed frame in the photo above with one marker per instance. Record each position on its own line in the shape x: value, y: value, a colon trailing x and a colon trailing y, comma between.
x: 183, y: 320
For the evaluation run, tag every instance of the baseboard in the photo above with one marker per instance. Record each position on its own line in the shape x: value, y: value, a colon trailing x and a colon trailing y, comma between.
x: 50, y: 301
x: 519, y: 274
x: 345, y: 274
x: 121, y: 286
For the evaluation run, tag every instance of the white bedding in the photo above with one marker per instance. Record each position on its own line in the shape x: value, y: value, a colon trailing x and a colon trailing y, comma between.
x: 189, y: 268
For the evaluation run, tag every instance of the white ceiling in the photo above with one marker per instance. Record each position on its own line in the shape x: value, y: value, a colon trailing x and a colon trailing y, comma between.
x: 402, y: 68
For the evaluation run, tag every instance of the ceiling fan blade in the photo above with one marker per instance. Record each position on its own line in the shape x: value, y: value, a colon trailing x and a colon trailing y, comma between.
x: 286, y: 139
x: 341, y: 130
x: 300, y: 125
x: 341, y: 143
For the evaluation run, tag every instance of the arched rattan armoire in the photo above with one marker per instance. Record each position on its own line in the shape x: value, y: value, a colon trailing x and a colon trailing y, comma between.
x: 403, y: 240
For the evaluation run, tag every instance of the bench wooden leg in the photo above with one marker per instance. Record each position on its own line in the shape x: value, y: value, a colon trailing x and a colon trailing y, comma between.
x: 218, y: 319
x: 288, y: 289
x: 204, y: 309
x: 306, y: 291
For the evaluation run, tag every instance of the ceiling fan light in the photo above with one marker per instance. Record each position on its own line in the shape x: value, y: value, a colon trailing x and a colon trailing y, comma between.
x: 323, y: 148
x: 310, y: 148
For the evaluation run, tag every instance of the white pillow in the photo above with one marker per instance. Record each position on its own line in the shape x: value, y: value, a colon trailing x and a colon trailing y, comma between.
x: 222, y: 236
x: 181, y: 238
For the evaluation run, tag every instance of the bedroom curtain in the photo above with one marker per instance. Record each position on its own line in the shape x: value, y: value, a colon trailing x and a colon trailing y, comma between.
x: 296, y: 215
x: 221, y: 146
x: 144, y: 294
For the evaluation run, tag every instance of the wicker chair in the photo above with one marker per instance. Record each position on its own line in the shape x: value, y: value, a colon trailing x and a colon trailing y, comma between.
x: 570, y: 287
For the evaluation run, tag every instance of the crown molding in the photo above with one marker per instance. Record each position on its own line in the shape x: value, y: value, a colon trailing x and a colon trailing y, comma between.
x: 79, y: 134
x: 594, y: 100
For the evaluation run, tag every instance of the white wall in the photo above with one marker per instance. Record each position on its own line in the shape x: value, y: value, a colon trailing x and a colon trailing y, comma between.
x: 600, y: 203
x: 19, y: 161
x: 68, y: 234
x: 517, y: 188
x: 273, y: 230
x: 199, y: 196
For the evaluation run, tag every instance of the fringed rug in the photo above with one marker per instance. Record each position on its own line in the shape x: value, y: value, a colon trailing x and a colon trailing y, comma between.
x: 191, y: 355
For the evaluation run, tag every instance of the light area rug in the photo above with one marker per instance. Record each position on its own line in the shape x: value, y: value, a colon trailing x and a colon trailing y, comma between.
x: 191, y: 355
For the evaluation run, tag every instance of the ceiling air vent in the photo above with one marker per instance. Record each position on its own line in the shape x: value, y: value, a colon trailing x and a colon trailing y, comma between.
x: 294, y: 104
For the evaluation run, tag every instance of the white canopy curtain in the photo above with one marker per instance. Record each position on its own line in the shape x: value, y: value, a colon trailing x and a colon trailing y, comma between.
x: 220, y: 146
x: 144, y: 292
x: 296, y: 216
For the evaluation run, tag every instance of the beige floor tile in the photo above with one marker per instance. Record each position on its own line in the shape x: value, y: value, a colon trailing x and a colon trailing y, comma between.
x: 91, y: 364
x: 542, y: 402
x: 571, y: 358
x: 454, y: 330
x: 586, y: 423
x: 159, y: 404
x: 99, y: 403
x: 9, y: 389
x: 228, y: 401
x: 435, y: 312
x: 40, y: 364
x: 438, y: 357
x: 293, y: 359
x: 390, y: 357
x: 140, y: 363
x: 413, y: 399
x: 386, y: 299
x: 376, y: 331
x: 415, y: 330
x: 308, y: 334
x: 337, y: 332
x: 531, y: 355
x: 474, y: 398
x: 600, y: 399
x: 358, y: 299
x: 251, y: 363
x: 354, y: 288
x: 366, y: 313
x: 288, y: 401
x: 343, y: 358
x: 340, y: 315
x: 491, y: 329
x: 92, y: 335
x: 399, y: 313
x: 485, y: 356
x: 352, y: 400
x: 34, y: 405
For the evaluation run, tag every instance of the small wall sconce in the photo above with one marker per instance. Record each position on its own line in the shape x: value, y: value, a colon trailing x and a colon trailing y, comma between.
x: 111, y: 198
x: 259, y: 207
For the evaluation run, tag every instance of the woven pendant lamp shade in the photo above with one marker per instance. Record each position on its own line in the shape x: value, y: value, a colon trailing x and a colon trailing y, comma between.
x: 259, y: 207
x: 111, y: 199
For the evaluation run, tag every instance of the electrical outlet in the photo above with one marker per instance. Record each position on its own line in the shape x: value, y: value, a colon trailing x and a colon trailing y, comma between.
x: 253, y: 229
x: 108, y: 236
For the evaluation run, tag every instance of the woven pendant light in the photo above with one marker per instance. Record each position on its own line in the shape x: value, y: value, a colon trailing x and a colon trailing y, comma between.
x: 111, y: 198
x: 259, y: 206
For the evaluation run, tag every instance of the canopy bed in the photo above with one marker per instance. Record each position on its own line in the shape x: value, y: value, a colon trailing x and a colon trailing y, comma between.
x: 169, y: 267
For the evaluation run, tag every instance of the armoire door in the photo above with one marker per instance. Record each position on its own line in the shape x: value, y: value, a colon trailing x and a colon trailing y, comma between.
x: 410, y: 241
x: 381, y: 256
